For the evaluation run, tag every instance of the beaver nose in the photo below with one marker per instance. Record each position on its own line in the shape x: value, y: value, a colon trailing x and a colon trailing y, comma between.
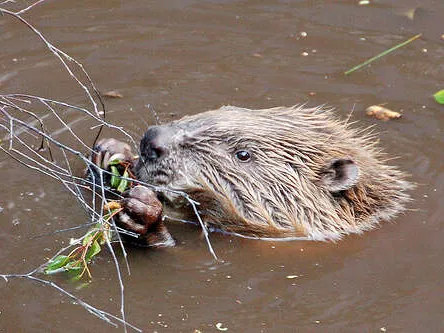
x: 151, y: 145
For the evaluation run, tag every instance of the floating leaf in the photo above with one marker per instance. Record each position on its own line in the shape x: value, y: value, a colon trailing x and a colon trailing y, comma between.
x: 123, y: 183
x: 115, y: 178
x: 439, y: 96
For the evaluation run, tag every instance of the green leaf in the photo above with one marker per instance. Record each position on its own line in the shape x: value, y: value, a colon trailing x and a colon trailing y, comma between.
x: 74, y: 266
x: 115, y: 178
x: 75, y: 271
x: 93, y: 250
x: 114, y: 162
x: 56, y: 264
x: 89, y: 237
x: 439, y: 96
x: 123, y: 183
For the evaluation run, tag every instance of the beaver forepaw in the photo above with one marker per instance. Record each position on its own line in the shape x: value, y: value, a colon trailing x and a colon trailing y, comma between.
x: 142, y: 214
x: 108, y: 150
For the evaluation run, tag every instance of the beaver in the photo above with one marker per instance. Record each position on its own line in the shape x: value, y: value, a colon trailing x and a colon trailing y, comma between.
x: 279, y: 172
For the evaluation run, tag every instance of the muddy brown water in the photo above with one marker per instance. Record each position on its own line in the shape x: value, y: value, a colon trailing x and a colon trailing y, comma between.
x: 185, y: 57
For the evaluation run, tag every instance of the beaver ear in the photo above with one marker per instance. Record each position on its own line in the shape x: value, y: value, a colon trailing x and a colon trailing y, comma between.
x: 340, y: 174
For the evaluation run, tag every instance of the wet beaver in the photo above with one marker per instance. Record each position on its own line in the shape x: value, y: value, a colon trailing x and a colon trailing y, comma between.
x: 286, y: 171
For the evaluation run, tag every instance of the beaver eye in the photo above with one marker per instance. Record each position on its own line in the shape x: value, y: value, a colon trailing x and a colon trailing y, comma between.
x: 243, y: 155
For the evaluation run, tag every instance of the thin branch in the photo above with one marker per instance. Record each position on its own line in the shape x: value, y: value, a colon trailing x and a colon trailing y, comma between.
x: 16, y: 110
x: 101, y: 314
x: 29, y: 7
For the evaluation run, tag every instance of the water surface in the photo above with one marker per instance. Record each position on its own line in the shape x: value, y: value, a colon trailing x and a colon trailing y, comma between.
x: 184, y: 57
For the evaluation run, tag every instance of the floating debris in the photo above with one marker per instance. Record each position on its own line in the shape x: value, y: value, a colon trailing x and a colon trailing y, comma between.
x: 112, y: 94
x: 220, y: 327
x: 407, y: 12
x: 382, y: 113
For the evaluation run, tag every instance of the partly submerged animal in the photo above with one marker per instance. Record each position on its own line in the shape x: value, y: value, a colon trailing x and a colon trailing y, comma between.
x: 280, y: 172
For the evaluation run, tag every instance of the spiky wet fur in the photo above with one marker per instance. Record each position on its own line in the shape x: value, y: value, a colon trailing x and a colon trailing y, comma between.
x: 279, y: 192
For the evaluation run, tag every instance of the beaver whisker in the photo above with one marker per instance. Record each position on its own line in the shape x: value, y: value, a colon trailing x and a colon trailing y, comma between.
x: 308, y: 174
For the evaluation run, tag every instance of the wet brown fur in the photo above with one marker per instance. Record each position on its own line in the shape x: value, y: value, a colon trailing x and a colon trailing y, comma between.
x: 283, y: 190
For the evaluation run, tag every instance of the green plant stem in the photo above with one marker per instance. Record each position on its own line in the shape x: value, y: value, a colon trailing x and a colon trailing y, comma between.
x: 365, y: 63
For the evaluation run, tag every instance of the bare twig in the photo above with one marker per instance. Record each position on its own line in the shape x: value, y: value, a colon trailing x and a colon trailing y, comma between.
x: 46, y: 142
x: 29, y: 7
x: 105, y: 316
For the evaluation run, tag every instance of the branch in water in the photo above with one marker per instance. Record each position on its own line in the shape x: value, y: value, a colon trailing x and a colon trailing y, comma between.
x: 24, y: 128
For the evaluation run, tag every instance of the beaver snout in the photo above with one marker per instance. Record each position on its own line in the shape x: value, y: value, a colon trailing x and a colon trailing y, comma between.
x: 154, y: 144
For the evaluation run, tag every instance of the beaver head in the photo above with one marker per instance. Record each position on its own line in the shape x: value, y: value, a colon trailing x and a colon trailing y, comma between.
x: 274, y: 172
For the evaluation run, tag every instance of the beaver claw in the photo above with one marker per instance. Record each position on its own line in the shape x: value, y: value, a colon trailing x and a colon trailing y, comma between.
x: 142, y: 214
